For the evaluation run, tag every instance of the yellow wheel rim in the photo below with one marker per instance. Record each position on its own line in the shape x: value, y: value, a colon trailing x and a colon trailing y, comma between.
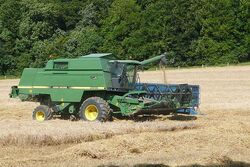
x: 40, y: 116
x: 91, y: 112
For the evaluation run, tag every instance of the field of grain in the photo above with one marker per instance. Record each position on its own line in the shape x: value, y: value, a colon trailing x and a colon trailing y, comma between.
x: 219, y: 136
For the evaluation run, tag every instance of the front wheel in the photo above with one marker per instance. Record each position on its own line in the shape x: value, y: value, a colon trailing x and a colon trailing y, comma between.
x: 94, y: 109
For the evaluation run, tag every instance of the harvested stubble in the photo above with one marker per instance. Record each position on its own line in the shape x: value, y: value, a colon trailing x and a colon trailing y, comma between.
x: 57, y: 132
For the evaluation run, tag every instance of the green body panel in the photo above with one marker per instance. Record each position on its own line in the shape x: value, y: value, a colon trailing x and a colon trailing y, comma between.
x: 68, y: 86
x: 28, y: 76
x: 81, y: 75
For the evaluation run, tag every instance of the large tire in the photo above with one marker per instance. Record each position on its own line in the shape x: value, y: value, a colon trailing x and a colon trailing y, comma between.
x: 94, y: 109
x: 42, y: 113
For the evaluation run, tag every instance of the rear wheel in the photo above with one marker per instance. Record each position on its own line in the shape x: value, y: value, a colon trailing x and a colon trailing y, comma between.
x: 42, y: 113
x: 94, y: 109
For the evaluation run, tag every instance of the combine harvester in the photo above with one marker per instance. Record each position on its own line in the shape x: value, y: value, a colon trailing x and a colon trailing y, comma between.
x: 96, y: 86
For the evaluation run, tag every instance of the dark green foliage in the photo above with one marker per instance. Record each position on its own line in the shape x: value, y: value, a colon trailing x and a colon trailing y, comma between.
x: 193, y: 32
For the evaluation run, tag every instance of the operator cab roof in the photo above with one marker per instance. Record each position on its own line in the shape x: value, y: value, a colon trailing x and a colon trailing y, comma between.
x: 134, y: 62
x: 111, y: 57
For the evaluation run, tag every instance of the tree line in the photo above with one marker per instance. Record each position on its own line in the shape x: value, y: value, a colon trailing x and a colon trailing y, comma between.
x: 192, y: 32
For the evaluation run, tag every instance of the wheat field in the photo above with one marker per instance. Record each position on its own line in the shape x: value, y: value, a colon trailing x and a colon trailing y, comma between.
x: 219, y: 136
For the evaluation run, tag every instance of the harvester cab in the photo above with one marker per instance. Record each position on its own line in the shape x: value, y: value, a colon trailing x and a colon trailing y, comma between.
x: 124, y: 73
x: 96, y: 86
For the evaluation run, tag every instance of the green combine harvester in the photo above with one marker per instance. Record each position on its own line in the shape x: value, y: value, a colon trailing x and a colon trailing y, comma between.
x: 97, y: 86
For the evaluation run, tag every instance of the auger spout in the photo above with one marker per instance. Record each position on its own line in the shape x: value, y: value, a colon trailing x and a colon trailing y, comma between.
x: 161, y: 58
